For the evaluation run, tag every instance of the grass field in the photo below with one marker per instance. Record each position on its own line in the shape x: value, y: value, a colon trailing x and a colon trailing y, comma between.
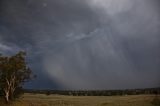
x: 58, y: 100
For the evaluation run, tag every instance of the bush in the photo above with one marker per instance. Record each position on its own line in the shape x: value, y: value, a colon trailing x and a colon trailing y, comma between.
x: 18, y: 92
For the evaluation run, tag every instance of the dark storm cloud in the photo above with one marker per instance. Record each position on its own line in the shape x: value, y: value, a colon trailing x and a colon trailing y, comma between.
x: 90, y: 44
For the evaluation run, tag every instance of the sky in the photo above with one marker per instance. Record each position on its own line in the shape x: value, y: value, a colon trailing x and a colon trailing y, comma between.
x: 85, y: 44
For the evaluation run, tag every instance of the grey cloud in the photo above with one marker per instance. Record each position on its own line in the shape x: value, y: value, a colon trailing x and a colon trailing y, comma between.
x: 90, y: 44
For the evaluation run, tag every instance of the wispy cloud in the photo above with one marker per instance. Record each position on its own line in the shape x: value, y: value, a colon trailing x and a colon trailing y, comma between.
x: 5, y: 48
x: 9, y: 49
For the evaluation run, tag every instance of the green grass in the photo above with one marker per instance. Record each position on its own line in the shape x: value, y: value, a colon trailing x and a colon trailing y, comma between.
x: 59, y: 100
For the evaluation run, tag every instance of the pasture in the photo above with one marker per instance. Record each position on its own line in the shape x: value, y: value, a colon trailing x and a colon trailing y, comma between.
x: 59, y: 100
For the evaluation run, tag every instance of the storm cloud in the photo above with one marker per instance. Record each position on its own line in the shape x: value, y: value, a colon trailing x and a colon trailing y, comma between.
x: 85, y: 44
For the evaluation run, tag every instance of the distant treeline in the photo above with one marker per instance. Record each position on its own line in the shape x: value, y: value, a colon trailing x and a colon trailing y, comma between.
x: 155, y: 91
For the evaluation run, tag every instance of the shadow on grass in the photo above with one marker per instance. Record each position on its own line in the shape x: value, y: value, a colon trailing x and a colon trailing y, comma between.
x: 156, y: 101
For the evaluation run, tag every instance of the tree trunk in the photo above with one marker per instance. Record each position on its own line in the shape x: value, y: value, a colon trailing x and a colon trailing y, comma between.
x: 7, y: 97
x: 7, y: 90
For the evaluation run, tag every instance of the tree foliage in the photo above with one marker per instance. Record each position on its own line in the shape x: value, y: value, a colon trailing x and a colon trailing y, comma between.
x: 14, y: 72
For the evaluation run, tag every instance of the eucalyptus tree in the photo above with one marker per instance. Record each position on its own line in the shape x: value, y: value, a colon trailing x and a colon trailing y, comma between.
x: 14, y: 72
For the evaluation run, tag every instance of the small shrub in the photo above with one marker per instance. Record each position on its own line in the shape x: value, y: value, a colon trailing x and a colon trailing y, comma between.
x: 48, y: 93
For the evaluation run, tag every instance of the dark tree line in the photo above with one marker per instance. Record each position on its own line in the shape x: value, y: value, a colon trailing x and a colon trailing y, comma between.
x: 155, y: 91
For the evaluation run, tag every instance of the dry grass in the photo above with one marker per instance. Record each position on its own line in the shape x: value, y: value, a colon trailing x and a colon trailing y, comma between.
x: 57, y: 100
